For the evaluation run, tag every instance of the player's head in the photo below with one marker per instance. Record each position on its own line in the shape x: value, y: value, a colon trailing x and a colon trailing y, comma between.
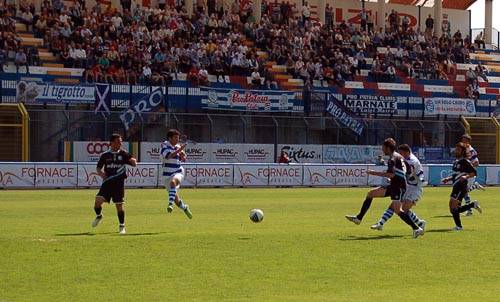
x: 404, y: 150
x: 461, y: 150
x: 173, y: 136
x: 389, y: 146
x: 115, y: 141
x: 466, y: 139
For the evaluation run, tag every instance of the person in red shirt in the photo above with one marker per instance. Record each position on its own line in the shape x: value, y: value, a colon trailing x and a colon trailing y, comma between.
x: 284, y: 159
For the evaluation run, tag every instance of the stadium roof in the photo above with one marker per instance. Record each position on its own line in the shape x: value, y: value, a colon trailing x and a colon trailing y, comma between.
x: 455, y: 4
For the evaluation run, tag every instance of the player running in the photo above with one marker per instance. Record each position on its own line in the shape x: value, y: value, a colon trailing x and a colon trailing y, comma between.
x: 396, y: 172
x: 414, y: 190
x: 463, y: 170
x: 114, y: 175
x: 474, y: 160
x: 172, y: 154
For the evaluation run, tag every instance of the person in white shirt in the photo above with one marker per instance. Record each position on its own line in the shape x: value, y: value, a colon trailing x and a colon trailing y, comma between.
x: 255, y: 78
x: 414, y: 189
x: 172, y: 155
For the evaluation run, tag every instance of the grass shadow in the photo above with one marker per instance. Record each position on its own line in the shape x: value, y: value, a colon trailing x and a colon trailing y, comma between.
x: 84, y: 234
x: 244, y: 238
x: 439, y: 231
x: 145, y: 234
x: 381, y: 237
x: 442, y: 216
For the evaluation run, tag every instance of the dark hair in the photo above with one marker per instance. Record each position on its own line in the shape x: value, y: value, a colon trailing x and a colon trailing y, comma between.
x: 467, y: 137
x: 390, y: 143
x: 464, y: 149
x: 113, y: 137
x: 172, y: 132
x: 404, y: 147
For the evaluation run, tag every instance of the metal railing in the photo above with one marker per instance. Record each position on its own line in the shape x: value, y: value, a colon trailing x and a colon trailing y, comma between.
x: 47, y: 138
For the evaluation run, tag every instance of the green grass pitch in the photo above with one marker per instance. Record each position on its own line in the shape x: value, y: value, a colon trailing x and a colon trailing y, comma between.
x: 304, y: 250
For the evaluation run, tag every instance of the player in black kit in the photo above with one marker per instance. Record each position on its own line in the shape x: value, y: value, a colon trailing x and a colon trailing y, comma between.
x: 113, y: 161
x: 462, y: 171
x: 396, y: 170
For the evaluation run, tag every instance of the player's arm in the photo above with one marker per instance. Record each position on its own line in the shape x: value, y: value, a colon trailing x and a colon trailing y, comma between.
x: 100, y: 165
x: 381, y: 174
x: 176, y: 152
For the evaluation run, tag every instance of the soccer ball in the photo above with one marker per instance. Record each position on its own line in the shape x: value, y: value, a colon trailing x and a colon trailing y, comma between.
x: 256, y: 215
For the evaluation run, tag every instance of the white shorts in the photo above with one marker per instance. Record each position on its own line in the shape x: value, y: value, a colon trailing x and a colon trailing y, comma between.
x: 179, y: 176
x: 413, y: 193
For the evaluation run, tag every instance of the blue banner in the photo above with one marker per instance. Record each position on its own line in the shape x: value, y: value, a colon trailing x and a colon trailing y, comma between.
x: 344, y: 114
x: 102, y: 98
x: 149, y: 103
x: 250, y: 100
x: 438, y: 172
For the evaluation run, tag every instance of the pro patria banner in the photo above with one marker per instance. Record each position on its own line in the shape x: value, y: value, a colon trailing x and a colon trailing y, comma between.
x: 250, y: 100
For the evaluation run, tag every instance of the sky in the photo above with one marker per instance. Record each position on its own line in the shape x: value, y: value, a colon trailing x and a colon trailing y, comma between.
x: 478, y: 14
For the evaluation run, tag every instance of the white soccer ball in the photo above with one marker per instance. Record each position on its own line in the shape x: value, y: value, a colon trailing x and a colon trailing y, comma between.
x: 256, y: 215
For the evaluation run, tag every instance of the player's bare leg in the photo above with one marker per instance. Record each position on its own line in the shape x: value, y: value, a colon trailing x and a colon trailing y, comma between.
x: 375, y: 193
x: 99, y: 200
x: 172, y: 193
x: 183, y: 206
x: 121, y: 217
x: 397, y: 207
x: 406, y: 207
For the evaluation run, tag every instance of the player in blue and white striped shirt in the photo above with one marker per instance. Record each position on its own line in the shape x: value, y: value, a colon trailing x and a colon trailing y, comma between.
x: 414, y: 189
x: 172, y: 155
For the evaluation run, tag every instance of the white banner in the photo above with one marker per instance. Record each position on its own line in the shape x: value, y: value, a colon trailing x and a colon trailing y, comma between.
x: 493, y: 175
x: 251, y: 175
x: 189, y: 177
x: 302, y: 153
x: 212, y: 175
x: 144, y: 175
x: 150, y: 152
x: 92, y: 150
x: 335, y: 175
x: 284, y: 175
x: 31, y: 92
x: 449, y: 106
x: 226, y: 153
x: 257, y: 153
x: 87, y: 175
x: 17, y: 175
x: 315, y: 175
x: 350, y: 154
x: 199, y: 153
x: 55, y: 175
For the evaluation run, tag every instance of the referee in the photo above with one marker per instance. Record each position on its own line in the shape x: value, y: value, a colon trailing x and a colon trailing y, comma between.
x: 113, y: 161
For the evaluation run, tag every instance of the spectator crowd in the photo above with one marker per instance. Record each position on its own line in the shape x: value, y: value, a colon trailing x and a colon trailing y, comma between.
x: 152, y: 44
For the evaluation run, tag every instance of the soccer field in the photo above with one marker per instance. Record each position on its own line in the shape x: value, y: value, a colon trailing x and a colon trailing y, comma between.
x: 304, y: 250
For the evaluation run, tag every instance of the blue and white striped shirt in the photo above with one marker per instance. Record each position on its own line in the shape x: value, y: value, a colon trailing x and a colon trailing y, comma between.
x: 171, y: 166
x: 415, y: 175
x: 472, y: 155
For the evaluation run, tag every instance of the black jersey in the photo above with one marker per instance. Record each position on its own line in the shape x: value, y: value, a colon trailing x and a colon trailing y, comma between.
x: 114, y: 164
x: 462, y: 167
x: 397, y: 165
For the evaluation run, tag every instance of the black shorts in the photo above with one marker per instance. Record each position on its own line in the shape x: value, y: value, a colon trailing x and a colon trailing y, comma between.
x: 459, y: 190
x: 113, y: 189
x: 395, y: 191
